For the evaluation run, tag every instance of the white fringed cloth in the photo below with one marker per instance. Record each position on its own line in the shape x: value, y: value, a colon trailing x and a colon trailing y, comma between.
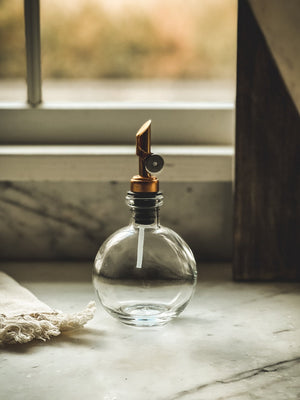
x: 23, y: 317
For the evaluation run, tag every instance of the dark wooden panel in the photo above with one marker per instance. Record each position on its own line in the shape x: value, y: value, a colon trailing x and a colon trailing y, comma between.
x: 266, y: 238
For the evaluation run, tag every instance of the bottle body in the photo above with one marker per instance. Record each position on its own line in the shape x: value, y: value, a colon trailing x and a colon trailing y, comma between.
x: 144, y: 274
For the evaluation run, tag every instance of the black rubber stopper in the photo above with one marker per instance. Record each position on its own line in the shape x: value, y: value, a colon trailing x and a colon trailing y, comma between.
x: 145, y: 211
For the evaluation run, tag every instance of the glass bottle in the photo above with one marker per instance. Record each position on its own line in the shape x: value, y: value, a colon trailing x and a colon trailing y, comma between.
x: 144, y: 274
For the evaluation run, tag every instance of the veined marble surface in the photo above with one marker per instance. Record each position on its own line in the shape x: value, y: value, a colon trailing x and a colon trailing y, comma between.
x: 234, y: 341
x: 70, y: 220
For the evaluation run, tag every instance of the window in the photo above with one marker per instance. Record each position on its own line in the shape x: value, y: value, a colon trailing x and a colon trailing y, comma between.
x: 134, y: 80
x: 12, y: 52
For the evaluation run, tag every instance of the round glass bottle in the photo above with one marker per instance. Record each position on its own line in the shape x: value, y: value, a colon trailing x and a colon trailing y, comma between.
x: 144, y: 274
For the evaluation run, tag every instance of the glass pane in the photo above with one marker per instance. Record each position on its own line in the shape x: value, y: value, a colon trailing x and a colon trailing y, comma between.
x: 139, y: 51
x: 12, y: 51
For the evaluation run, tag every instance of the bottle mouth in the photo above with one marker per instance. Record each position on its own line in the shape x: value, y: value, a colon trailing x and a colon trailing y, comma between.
x: 145, y: 206
x: 144, y: 200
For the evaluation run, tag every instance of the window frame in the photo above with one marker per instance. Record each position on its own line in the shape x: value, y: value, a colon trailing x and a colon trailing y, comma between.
x: 208, y: 127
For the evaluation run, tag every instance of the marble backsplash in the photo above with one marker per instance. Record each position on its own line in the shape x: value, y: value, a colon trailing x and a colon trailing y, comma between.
x: 69, y: 221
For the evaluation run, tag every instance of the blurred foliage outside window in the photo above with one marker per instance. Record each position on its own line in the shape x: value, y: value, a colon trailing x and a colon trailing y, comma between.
x: 124, y: 39
x: 12, y: 39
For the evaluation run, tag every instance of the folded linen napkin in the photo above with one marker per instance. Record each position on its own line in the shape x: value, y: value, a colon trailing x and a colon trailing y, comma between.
x: 23, y: 317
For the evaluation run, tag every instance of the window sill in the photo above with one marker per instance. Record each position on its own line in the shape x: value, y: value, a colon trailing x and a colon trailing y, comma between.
x: 112, y: 163
x: 232, y: 338
x: 114, y: 123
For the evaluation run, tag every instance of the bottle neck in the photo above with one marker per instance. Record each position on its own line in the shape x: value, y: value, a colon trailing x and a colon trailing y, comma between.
x: 145, y: 208
x: 151, y: 220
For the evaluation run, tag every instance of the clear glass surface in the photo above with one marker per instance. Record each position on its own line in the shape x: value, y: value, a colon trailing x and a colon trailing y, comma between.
x: 144, y: 274
x: 138, y: 51
x: 12, y: 52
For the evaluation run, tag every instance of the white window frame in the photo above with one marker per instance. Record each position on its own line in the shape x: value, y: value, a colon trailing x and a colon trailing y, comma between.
x: 195, y: 138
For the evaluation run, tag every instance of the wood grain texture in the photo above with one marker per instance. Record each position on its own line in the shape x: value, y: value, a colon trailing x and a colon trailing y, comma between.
x: 266, y: 239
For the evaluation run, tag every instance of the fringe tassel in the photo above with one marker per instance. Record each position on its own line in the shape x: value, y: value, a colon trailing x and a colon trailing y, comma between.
x: 24, y: 328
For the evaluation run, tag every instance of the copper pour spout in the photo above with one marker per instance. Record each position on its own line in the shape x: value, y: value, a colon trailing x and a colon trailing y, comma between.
x: 143, y: 147
x: 148, y: 162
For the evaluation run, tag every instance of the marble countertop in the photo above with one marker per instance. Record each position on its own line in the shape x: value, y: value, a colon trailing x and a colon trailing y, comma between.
x: 234, y: 341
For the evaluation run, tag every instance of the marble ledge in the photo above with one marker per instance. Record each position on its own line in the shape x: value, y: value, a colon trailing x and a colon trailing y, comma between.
x: 234, y: 341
